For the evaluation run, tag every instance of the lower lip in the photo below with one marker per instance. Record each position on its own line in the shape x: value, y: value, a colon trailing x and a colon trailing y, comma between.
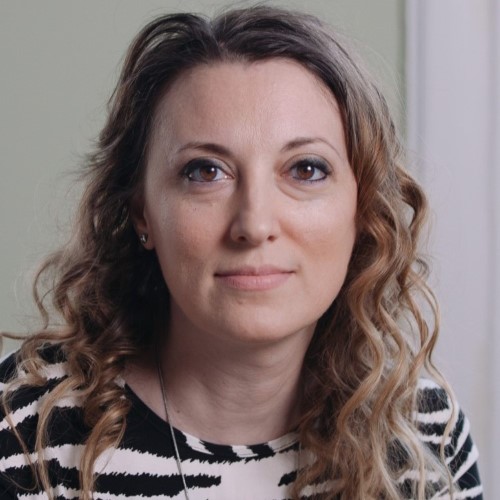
x: 249, y: 282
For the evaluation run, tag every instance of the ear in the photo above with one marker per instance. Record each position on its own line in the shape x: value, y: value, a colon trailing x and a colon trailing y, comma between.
x: 139, y: 218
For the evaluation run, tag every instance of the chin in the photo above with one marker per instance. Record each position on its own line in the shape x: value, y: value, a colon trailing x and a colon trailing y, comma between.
x: 266, y: 331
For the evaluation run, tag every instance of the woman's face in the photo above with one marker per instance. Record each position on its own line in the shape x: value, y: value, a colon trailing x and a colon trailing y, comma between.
x: 249, y: 200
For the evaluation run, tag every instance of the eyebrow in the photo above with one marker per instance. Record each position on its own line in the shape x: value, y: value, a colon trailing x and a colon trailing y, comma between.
x: 293, y: 144
x: 304, y: 141
x: 206, y: 146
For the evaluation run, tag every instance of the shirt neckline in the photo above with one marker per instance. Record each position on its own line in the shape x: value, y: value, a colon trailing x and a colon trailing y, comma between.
x: 186, y: 440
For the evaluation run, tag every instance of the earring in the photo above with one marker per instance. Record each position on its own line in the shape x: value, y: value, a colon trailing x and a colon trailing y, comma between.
x: 143, y: 238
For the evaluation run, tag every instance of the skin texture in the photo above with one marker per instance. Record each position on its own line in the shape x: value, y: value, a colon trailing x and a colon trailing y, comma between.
x: 249, y: 203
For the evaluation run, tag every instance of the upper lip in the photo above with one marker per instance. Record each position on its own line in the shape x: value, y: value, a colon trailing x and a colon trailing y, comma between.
x: 253, y: 271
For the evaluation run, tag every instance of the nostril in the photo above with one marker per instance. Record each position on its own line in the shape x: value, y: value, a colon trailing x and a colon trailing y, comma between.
x: 254, y: 224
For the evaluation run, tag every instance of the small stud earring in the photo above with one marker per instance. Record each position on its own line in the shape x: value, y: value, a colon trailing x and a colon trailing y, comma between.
x: 143, y: 238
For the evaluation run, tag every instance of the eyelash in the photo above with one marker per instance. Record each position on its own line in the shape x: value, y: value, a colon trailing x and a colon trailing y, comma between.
x: 189, y: 171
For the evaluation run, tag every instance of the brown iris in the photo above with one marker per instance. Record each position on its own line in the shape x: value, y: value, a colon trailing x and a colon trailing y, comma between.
x: 305, y: 171
x: 208, y: 172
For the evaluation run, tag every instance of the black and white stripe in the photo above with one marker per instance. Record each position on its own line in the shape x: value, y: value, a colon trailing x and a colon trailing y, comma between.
x: 144, y: 465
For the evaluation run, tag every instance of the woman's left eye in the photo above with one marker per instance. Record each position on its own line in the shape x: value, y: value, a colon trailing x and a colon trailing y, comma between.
x: 309, y: 170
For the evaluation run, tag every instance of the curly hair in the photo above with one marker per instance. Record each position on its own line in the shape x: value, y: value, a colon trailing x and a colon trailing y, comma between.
x: 371, y: 345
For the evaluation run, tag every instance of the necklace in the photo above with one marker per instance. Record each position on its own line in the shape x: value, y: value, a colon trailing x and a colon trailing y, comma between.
x: 174, y: 441
x: 172, y: 434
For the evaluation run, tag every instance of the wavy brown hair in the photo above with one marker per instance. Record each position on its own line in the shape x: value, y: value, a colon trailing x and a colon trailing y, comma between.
x: 369, y: 348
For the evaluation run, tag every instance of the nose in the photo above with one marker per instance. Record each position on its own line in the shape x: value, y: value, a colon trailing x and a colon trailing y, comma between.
x: 256, y: 214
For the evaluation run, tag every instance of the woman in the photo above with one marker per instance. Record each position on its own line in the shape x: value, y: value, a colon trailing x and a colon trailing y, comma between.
x: 235, y: 315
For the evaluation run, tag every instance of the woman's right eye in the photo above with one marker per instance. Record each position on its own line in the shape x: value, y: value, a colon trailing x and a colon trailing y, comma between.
x: 204, y: 171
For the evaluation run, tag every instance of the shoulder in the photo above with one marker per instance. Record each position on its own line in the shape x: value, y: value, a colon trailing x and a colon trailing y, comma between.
x: 25, y: 400
x: 439, y: 417
x: 433, y: 404
x: 15, y: 380
x: 28, y: 404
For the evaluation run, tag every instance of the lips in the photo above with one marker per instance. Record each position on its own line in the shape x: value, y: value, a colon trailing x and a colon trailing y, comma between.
x: 251, y: 278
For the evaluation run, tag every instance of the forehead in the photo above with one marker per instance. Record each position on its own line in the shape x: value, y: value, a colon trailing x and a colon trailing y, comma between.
x: 276, y: 96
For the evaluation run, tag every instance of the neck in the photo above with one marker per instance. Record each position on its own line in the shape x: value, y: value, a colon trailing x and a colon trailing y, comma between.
x: 232, y: 393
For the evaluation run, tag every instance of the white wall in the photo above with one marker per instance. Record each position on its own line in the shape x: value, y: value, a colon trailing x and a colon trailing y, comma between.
x: 454, y: 133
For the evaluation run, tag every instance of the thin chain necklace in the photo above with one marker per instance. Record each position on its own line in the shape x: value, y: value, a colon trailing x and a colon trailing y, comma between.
x: 174, y: 441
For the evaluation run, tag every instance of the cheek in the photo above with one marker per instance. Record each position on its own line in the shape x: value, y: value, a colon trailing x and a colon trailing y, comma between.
x: 328, y: 241
x: 330, y: 231
x: 183, y: 235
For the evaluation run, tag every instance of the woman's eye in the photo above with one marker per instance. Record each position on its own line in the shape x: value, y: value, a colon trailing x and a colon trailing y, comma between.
x: 204, y: 171
x: 309, y: 170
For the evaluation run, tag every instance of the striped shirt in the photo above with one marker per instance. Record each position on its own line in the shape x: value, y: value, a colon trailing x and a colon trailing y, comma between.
x: 144, y: 464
